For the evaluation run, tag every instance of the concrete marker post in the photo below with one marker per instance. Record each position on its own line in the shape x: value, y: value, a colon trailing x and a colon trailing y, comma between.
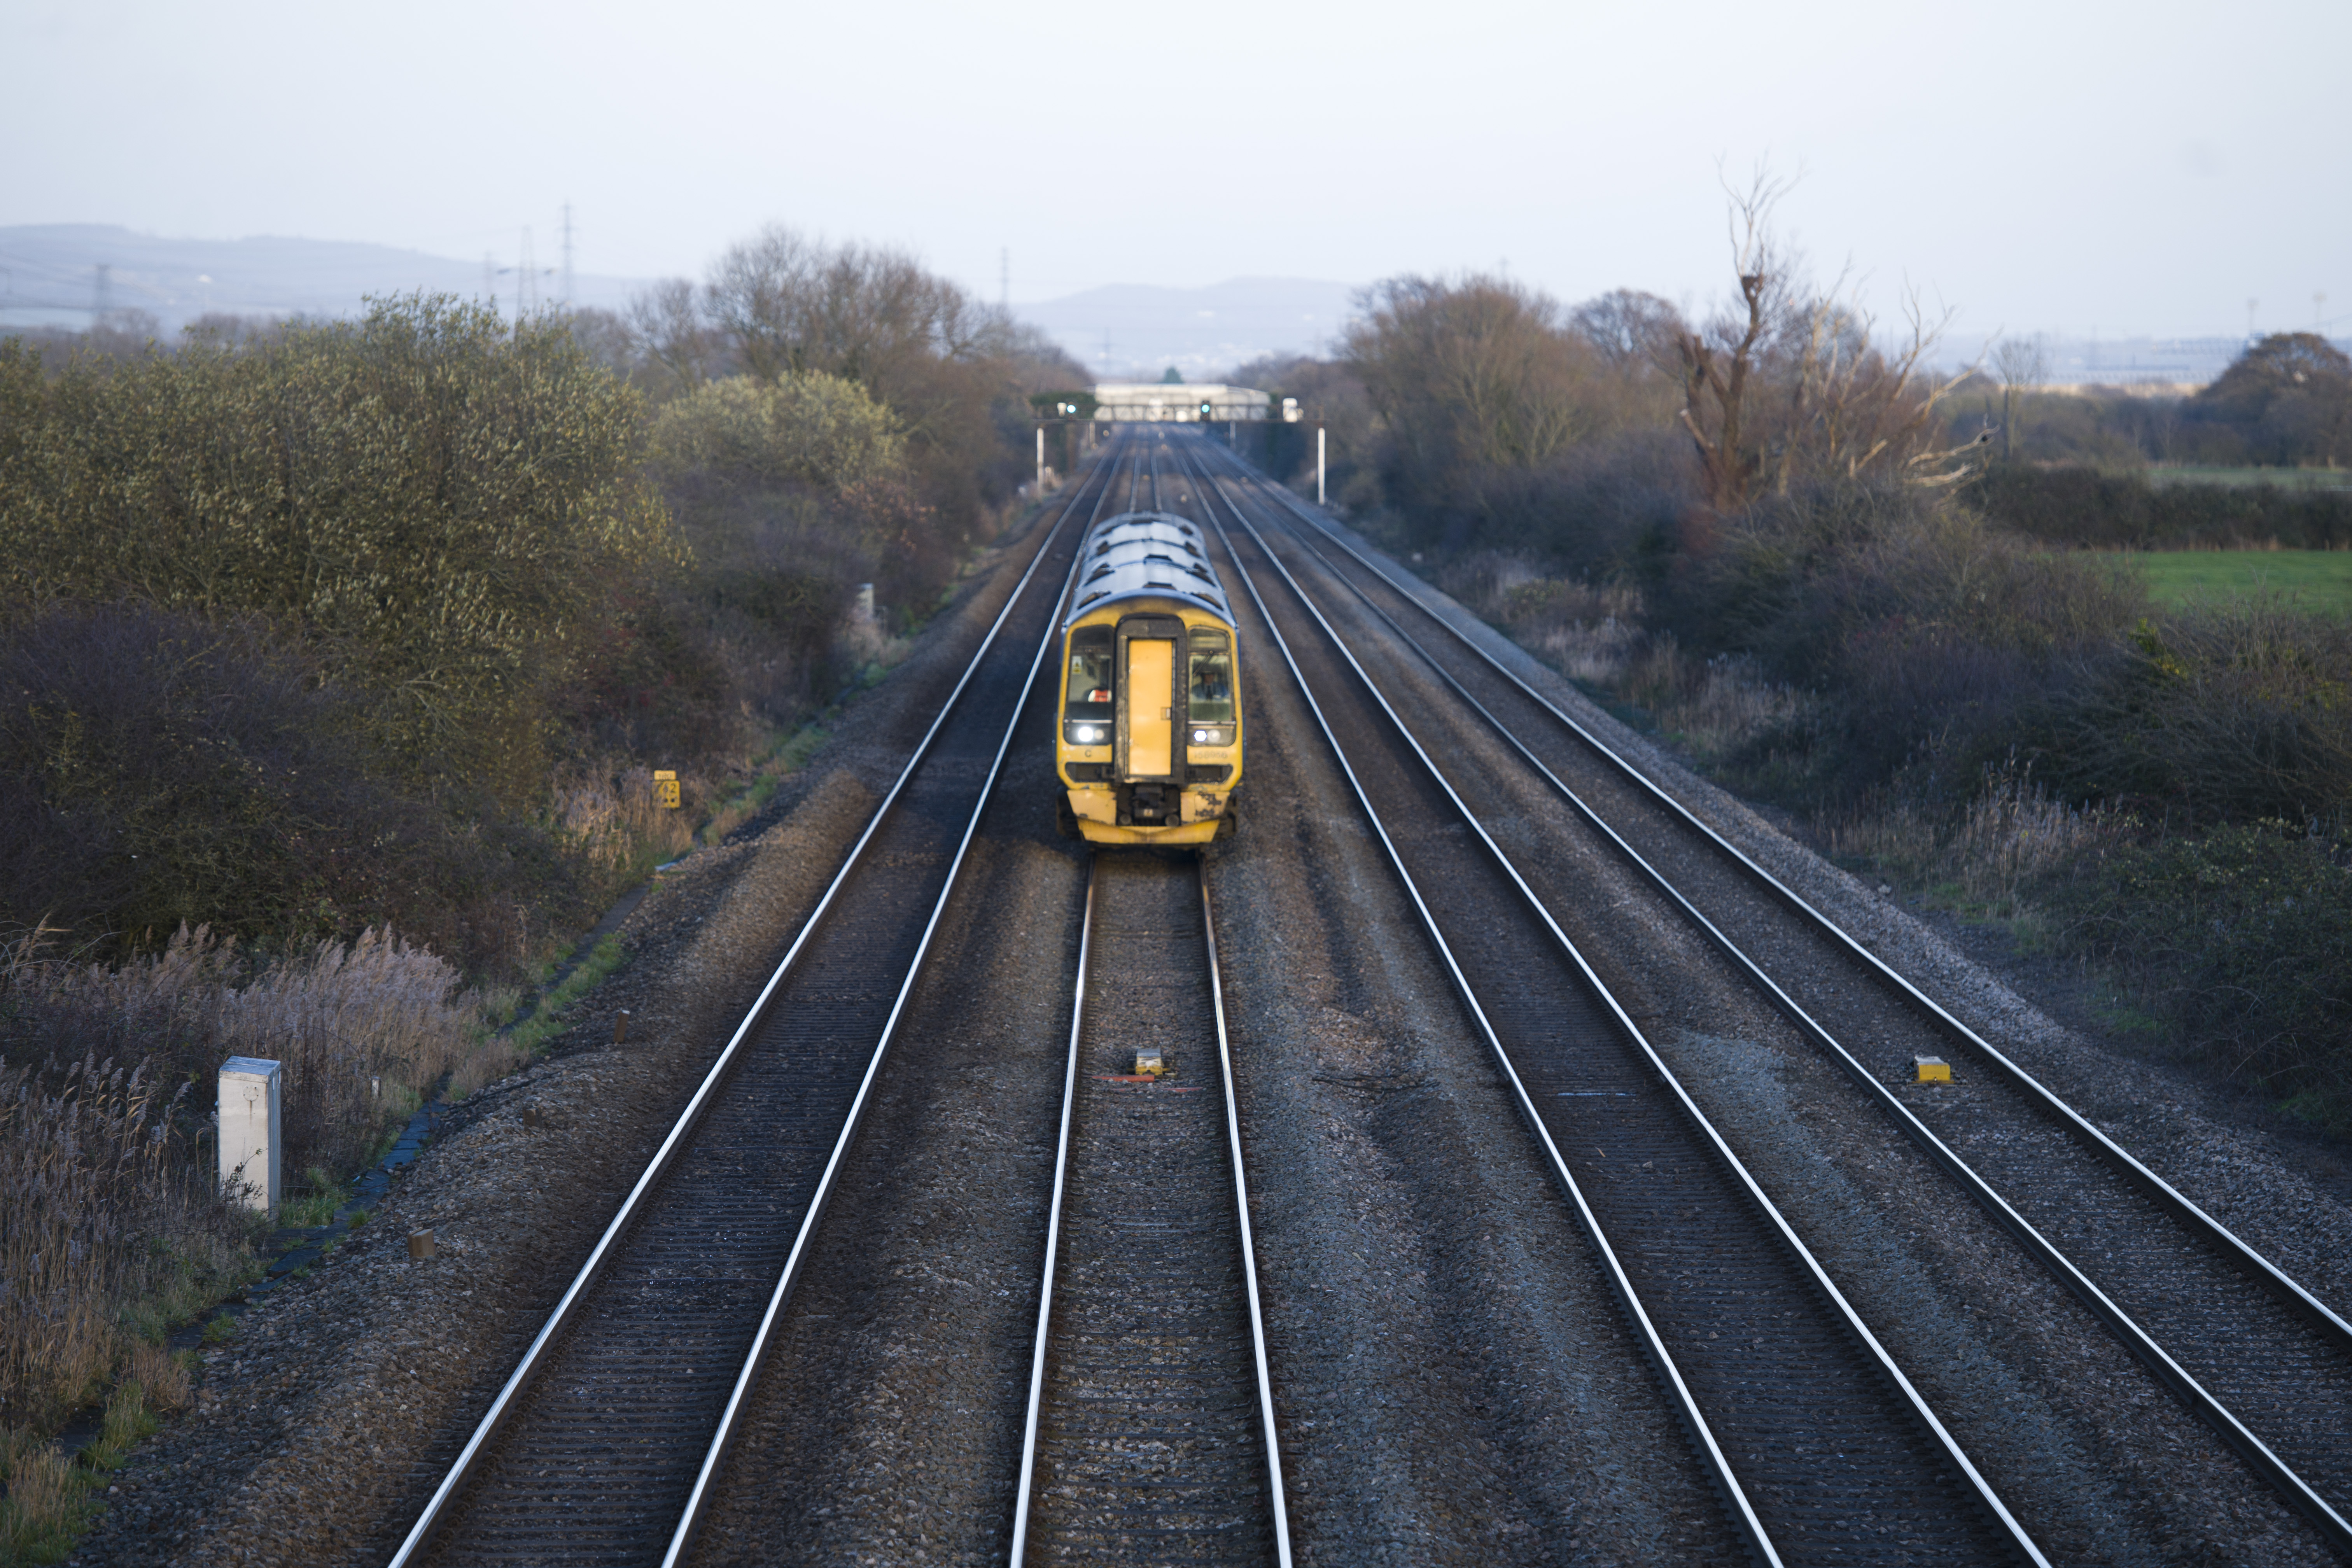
x: 251, y: 1146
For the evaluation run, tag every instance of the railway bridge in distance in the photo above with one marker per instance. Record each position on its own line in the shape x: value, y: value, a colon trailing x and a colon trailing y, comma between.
x: 1161, y: 402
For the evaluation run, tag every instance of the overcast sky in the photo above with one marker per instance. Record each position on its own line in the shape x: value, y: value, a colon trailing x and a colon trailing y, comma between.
x: 2065, y: 167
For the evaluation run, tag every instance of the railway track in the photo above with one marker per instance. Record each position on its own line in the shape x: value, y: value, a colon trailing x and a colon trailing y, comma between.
x: 2236, y: 1340
x: 605, y: 1443
x: 1150, y: 1432
x: 1819, y: 1446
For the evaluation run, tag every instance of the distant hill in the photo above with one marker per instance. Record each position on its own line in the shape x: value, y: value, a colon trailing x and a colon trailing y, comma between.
x: 1203, y: 332
x: 49, y: 275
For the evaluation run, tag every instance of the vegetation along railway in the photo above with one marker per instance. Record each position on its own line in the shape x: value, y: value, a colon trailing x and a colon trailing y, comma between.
x: 1124, y: 1392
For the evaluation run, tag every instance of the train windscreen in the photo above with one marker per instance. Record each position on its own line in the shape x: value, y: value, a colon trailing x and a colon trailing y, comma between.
x: 1090, y: 690
x: 1210, y: 696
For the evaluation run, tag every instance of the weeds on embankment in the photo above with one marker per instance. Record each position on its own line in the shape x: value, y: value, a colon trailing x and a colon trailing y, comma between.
x: 112, y: 1227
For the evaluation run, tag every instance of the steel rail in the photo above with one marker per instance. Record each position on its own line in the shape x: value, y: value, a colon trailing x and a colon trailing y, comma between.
x: 1053, y: 1232
x: 2297, y: 1493
x: 1853, y: 1320
x: 699, y: 1500
x: 1744, y: 1522
x: 1041, y: 1348
x: 2330, y: 1323
x: 1249, y: 1240
x: 502, y: 1406
x: 2142, y: 1344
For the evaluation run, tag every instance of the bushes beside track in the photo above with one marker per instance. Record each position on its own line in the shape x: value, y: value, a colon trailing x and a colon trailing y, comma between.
x: 335, y: 657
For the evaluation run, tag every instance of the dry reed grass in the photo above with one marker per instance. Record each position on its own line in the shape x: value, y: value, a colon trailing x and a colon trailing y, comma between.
x: 1716, y: 708
x: 609, y: 816
x: 108, y: 1223
x: 45, y: 1500
x: 2013, y: 834
x: 1590, y: 631
x: 364, y: 1027
x: 112, y: 1226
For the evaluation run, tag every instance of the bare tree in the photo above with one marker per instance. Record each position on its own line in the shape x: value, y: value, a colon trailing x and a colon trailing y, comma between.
x: 680, y: 352
x: 1637, y: 333
x: 605, y: 337
x: 789, y: 304
x: 1855, y: 407
x: 1718, y: 360
x: 1474, y: 374
x: 2023, y: 364
x: 1798, y: 377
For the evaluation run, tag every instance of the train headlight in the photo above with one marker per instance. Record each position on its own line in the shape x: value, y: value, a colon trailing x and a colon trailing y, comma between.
x: 1089, y: 734
x: 1200, y: 735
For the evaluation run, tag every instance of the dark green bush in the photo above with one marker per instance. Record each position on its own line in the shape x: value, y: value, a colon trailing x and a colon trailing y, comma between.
x: 2219, y: 712
x: 2096, y: 510
x: 1923, y: 631
x: 435, y: 500
x: 156, y: 768
x: 2242, y: 938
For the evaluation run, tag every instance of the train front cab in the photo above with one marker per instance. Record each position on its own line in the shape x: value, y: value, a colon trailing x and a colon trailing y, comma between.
x: 1151, y: 746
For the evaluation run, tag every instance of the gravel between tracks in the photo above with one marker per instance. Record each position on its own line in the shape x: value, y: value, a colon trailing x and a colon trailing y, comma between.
x: 1453, y: 1383
x: 2105, y: 1466
x: 2287, y: 1197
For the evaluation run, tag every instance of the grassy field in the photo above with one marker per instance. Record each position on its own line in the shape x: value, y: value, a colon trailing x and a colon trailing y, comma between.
x: 2321, y: 579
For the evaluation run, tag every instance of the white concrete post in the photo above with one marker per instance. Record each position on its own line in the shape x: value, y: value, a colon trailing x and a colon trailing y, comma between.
x: 1318, y: 465
x: 1041, y: 462
x: 249, y: 1140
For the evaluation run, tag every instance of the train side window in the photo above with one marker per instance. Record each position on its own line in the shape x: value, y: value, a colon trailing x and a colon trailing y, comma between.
x: 1091, y: 681
x: 1210, y: 694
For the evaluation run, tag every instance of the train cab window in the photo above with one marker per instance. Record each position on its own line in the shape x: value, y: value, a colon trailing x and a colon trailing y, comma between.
x: 1209, y: 694
x: 1086, y: 715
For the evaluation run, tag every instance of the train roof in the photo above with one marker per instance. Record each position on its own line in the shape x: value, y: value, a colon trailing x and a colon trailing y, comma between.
x: 1130, y: 527
x: 1139, y: 555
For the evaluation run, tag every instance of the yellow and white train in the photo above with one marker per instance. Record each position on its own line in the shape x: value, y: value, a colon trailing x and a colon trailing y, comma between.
x: 1151, y: 744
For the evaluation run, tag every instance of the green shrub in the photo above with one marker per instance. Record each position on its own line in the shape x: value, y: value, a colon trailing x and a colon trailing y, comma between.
x: 2243, y: 938
x: 157, y: 771
x: 805, y: 428
x: 2090, y: 508
x: 2221, y: 711
x: 434, y: 500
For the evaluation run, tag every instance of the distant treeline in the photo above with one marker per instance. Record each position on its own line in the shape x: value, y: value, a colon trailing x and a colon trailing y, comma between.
x: 2106, y: 509
x: 2286, y: 401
